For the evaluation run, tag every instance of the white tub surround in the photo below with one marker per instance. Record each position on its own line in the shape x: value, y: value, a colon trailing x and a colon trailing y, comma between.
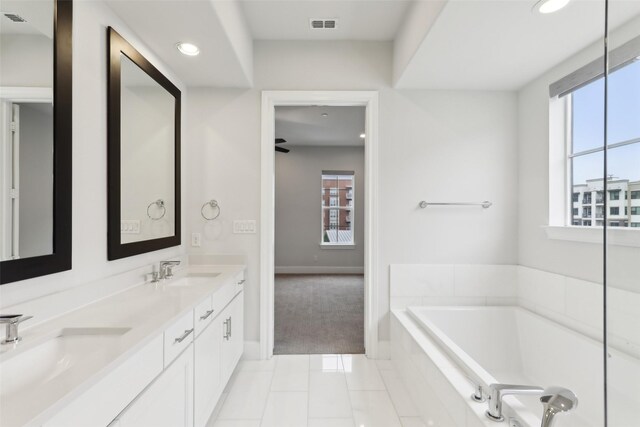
x: 571, y: 302
x: 113, y: 348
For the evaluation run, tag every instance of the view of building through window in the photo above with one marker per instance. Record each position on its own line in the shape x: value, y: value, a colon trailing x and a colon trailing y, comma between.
x: 337, y: 208
x: 587, y: 151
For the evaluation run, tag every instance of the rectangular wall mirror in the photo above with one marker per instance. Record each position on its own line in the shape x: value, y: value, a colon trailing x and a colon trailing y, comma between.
x: 144, y: 154
x: 35, y: 138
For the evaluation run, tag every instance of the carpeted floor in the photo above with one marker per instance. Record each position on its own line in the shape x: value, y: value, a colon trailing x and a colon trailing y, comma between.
x: 317, y: 314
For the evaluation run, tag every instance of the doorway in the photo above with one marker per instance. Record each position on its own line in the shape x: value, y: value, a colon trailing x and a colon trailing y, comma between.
x: 271, y: 100
x: 319, y: 235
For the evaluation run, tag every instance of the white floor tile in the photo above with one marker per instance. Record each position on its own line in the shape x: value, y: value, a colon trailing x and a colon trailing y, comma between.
x: 373, y: 409
x: 331, y: 422
x: 384, y: 364
x: 286, y: 409
x: 248, y: 396
x: 326, y: 362
x: 291, y: 373
x: 237, y: 423
x: 328, y: 395
x: 257, y: 365
x: 399, y: 395
x: 217, y: 409
x: 412, y: 422
x: 361, y: 373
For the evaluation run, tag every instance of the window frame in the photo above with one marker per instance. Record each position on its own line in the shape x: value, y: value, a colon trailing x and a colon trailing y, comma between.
x: 350, y: 208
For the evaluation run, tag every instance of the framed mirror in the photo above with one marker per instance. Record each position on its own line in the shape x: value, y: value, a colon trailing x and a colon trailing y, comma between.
x: 35, y: 138
x: 144, y: 154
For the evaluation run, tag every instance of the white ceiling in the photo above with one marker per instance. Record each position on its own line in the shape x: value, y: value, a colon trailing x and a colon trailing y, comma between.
x: 305, y: 126
x: 357, y: 19
x: 38, y: 15
x: 502, y: 45
x: 162, y: 24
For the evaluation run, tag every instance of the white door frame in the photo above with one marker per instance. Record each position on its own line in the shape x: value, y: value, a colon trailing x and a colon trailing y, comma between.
x: 270, y: 100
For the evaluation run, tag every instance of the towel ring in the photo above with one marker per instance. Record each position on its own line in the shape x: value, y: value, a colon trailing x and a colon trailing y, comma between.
x: 160, y: 204
x: 214, y: 205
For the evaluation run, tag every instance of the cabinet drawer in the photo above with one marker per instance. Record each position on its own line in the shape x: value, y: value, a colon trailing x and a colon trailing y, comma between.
x: 203, y: 314
x: 239, y: 280
x: 177, y: 337
x: 223, y: 296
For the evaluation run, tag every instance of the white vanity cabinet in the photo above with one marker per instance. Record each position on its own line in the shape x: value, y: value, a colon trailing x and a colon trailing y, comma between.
x: 177, y: 378
x: 233, y: 336
x: 167, y: 402
x: 208, y: 372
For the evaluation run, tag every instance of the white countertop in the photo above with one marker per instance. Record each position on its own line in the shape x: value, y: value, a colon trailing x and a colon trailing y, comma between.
x: 147, y: 309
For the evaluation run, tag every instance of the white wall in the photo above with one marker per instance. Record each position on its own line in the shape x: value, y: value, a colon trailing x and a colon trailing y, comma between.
x: 26, y: 60
x: 36, y: 180
x: 579, y: 260
x: 298, y: 213
x: 91, y: 19
x: 449, y: 146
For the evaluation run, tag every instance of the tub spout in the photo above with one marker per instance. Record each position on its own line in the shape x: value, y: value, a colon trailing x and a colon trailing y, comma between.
x: 498, y: 391
x: 555, y: 400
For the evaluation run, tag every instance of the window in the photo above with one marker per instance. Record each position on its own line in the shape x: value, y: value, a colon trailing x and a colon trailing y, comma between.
x: 635, y: 224
x: 585, y: 107
x: 575, y: 211
x: 337, y: 208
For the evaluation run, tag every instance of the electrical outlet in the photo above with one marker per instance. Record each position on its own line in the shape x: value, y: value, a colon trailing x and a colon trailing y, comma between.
x: 130, y: 226
x: 196, y: 240
x: 244, y: 226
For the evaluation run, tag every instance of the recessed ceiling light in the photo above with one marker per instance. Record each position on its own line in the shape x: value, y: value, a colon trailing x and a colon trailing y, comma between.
x: 550, y: 6
x: 189, y: 49
x: 324, y: 115
x: 362, y: 135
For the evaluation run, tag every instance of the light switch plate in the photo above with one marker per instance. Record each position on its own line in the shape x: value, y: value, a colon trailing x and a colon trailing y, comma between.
x: 196, y: 240
x: 130, y: 226
x: 244, y: 226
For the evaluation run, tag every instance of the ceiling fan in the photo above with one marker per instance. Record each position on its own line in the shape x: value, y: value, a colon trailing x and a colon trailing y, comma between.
x: 281, y: 149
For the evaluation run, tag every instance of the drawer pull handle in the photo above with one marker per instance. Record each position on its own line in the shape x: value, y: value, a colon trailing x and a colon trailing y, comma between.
x: 226, y: 330
x: 183, y: 336
x: 207, y: 314
x: 241, y: 282
x: 229, y: 326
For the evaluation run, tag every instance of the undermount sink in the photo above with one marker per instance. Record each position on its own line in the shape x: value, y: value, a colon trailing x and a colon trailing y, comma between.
x: 56, y: 355
x: 193, y: 279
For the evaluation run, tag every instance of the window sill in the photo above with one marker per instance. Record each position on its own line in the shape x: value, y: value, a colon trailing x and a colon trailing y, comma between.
x: 336, y: 246
x: 615, y: 236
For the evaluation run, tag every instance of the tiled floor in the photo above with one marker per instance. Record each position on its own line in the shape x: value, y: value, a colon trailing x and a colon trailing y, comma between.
x: 316, y: 391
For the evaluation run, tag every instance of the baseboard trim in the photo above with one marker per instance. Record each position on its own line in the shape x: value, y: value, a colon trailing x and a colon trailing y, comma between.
x: 318, y: 270
x: 384, y: 350
x: 251, y: 350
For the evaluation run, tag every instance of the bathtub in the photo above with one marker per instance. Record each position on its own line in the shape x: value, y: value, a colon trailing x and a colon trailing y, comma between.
x: 513, y: 345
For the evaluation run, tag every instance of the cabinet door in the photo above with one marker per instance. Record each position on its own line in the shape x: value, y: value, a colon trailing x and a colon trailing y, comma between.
x: 237, y: 328
x: 168, y: 401
x: 207, y: 374
x: 233, y: 335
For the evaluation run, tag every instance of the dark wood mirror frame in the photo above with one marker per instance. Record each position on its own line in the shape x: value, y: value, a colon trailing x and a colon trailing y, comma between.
x: 60, y: 260
x: 119, y: 46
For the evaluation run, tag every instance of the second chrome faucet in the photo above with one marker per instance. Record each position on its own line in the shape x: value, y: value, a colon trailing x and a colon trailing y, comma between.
x: 165, y: 271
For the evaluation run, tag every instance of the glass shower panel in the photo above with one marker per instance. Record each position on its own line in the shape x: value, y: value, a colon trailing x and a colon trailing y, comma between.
x: 622, y: 225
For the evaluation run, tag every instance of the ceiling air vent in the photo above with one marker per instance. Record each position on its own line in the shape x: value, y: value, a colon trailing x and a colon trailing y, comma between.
x: 323, y: 24
x: 15, y: 17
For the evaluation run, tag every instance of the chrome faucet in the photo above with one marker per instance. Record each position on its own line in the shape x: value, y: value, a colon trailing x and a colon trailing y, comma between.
x: 498, y: 391
x: 12, y: 321
x: 166, y: 270
x: 556, y: 400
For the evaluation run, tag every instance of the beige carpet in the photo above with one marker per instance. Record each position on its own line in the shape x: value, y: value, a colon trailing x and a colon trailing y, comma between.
x: 317, y: 314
